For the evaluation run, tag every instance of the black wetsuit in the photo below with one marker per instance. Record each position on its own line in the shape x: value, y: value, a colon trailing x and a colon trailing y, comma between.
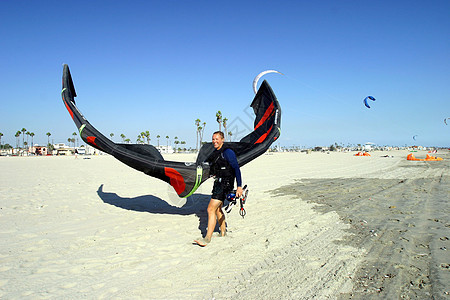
x: 225, y: 168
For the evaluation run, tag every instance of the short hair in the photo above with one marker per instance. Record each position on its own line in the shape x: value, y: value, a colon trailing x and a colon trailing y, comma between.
x: 219, y: 133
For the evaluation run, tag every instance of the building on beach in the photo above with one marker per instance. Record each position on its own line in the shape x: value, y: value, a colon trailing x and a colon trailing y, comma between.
x: 165, y: 149
x: 38, y: 150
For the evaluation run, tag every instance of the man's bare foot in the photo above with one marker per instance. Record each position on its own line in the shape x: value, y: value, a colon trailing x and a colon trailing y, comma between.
x: 202, y: 242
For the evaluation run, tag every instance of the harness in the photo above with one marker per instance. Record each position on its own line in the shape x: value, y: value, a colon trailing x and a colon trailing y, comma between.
x: 220, y: 167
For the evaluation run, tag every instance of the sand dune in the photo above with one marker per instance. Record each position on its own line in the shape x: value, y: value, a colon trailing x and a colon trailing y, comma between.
x: 94, y: 228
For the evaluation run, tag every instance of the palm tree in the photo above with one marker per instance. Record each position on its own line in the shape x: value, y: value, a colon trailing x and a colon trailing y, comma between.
x: 48, y: 138
x: 138, y: 140
x: 1, y: 134
x: 127, y: 141
x: 197, y: 123
x: 167, y: 137
x: 32, y: 138
x: 199, y: 129
x: 202, y: 131
x: 123, y: 137
x: 17, y: 138
x: 230, y: 134
x: 147, y: 136
x: 219, y: 119
x: 28, y: 135
x: 111, y: 135
x: 23, y: 135
x: 74, y: 135
x: 158, y: 136
x: 176, y: 142
x: 225, y: 127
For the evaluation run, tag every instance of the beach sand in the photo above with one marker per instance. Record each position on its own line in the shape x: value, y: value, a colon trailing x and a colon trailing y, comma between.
x: 317, y: 226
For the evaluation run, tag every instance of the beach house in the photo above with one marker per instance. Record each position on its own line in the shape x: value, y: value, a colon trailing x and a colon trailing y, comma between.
x: 38, y: 150
x: 165, y: 149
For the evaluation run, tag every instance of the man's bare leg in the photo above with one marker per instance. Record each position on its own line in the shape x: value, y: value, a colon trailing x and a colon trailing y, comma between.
x: 221, y: 219
x: 213, y: 206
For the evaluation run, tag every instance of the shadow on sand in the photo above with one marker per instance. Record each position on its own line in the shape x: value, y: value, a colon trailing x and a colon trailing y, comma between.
x: 195, y: 204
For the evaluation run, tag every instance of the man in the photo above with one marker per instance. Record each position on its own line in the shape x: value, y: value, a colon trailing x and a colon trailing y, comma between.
x: 225, y: 168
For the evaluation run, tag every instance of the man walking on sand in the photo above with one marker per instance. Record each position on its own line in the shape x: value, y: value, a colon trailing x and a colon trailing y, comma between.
x: 225, y: 168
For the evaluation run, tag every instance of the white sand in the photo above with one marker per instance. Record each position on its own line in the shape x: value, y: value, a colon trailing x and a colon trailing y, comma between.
x: 95, y: 228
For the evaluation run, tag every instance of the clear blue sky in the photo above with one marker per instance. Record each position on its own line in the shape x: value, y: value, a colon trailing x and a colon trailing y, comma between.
x: 159, y: 65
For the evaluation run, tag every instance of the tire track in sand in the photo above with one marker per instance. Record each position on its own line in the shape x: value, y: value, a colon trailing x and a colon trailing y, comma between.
x: 402, y: 223
x: 286, y: 273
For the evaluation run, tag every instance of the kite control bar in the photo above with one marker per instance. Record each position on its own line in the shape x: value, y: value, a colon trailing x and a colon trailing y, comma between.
x: 231, y: 197
x: 242, y: 199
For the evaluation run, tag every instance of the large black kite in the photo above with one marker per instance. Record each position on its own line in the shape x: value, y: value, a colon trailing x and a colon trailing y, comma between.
x: 184, y: 177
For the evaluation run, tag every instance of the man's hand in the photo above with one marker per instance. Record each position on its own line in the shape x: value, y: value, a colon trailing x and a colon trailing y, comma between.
x: 239, y: 191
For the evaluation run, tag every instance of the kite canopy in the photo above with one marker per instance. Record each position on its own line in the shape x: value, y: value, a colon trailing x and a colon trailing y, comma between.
x: 368, y: 98
x: 428, y: 158
x: 362, y: 154
x: 185, y: 178
x: 445, y: 120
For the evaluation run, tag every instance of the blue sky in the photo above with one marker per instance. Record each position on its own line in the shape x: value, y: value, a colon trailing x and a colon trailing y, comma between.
x: 159, y: 65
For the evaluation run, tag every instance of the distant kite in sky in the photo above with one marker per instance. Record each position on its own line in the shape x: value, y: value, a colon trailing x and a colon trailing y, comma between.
x: 184, y: 177
x: 368, y: 98
x: 414, y: 137
x: 445, y: 121
x: 255, y: 81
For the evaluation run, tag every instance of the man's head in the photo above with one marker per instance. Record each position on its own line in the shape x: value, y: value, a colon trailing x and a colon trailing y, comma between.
x: 217, y: 139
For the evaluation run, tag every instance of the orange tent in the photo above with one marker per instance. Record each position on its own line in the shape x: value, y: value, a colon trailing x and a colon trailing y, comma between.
x: 428, y: 158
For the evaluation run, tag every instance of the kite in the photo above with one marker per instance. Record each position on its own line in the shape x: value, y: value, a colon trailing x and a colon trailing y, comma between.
x: 414, y: 137
x: 445, y: 121
x: 184, y: 177
x: 255, y: 81
x: 365, y: 100
x: 428, y: 158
